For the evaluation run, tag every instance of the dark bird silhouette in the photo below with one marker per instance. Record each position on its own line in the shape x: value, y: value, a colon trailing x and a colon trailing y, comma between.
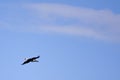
x: 33, y: 59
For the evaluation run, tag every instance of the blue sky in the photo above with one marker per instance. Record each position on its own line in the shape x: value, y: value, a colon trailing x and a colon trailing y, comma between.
x: 76, y: 39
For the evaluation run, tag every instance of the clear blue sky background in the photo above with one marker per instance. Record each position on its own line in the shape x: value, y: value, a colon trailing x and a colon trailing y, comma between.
x: 65, y: 54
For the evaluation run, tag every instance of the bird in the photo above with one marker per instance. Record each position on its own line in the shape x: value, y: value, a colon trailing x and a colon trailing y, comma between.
x: 33, y: 59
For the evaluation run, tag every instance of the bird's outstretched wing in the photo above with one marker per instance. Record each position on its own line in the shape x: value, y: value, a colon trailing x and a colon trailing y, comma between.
x: 34, y: 57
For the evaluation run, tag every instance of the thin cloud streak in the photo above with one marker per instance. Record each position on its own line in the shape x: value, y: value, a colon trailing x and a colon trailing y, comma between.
x: 87, y: 15
x: 90, y: 22
x: 67, y: 19
x: 71, y: 30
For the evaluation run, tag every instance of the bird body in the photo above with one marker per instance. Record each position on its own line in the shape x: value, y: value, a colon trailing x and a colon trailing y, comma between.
x: 33, y: 59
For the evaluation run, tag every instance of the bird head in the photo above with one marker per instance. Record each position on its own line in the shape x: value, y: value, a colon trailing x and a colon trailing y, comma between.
x: 25, y: 59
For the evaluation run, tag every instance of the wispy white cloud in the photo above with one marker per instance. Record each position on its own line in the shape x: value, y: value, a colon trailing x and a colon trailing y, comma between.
x: 71, y: 20
x: 101, y: 24
x: 73, y: 30
x: 87, y: 15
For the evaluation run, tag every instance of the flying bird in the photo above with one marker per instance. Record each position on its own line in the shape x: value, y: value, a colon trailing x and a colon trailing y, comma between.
x: 33, y: 59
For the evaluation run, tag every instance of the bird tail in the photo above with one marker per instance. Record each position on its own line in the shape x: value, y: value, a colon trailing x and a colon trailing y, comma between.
x: 22, y: 64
